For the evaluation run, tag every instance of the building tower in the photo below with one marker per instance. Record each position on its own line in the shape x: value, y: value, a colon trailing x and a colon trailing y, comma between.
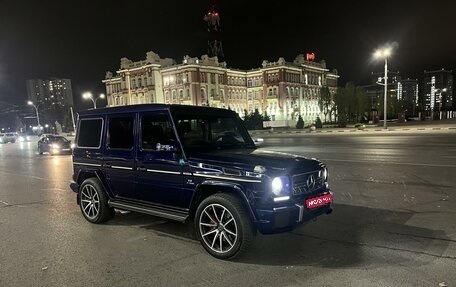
x: 213, y: 27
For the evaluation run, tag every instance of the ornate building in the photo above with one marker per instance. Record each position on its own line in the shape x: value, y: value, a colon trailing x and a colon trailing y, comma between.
x: 279, y: 89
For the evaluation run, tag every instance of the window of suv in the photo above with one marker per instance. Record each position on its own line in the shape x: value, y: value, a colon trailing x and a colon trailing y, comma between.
x: 212, y: 131
x: 120, y: 132
x: 89, y: 133
x: 156, y: 131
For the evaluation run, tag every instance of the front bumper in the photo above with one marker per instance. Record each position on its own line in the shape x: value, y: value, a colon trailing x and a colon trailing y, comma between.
x: 288, y: 216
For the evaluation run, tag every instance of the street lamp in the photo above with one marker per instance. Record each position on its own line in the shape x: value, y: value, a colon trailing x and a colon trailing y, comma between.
x: 30, y: 103
x: 88, y: 95
x: 384, y: 54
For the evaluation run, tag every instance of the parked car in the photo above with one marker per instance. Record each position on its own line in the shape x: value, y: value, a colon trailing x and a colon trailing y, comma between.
x: 187, y: 162
x: 9, y: 138
x: 54, y: 144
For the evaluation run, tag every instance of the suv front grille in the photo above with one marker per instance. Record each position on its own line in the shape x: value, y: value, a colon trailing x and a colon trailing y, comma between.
x: 306, y: 182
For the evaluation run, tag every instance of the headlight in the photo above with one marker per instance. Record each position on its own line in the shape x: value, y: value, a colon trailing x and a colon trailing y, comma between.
x: 72, y: 146
x: 56, y: 146
x: 21, y: 139
x: 277, y: 185
x: 280, y: 185
x: 325, y: 174
x: 27, y: 137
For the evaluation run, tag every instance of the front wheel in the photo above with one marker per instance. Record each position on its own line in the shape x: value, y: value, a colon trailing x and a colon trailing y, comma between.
x: 223, y: 226
x: 93, y: 201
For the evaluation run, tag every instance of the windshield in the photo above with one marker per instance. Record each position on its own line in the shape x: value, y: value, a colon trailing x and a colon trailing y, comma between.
x: 60, y: 140
x: 212, y: 132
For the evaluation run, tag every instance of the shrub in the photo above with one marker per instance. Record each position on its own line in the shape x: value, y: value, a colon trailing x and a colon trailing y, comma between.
x: 318, y: 123
x: 300, y: 123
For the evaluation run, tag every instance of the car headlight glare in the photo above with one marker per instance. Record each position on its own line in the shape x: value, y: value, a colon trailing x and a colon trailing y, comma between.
x: 56, y: 146
x: 277, y: 185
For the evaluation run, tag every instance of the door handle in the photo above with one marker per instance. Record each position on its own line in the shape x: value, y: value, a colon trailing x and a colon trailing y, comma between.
x: 108, y: 165
x: 141, y: 168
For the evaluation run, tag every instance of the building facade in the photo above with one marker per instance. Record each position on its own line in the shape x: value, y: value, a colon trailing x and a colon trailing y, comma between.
x: 53, y: 98
x: 407, y: 94
x: 437, y: 94
x: 281, y: 90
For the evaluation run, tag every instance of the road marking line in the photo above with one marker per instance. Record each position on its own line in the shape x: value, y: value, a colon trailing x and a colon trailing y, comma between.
x: 389, y: 162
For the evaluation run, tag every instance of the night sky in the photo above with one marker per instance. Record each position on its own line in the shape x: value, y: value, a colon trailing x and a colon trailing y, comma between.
x: 81, y: 40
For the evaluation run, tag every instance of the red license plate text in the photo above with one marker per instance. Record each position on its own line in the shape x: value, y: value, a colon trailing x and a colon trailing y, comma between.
x: 315, y: 202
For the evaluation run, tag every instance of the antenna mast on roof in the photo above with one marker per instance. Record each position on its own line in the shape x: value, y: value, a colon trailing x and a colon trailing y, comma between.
x: 213, y: 27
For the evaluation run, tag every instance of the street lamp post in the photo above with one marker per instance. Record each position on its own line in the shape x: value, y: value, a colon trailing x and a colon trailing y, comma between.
x: 30, y: 103
x: 88, y: 95
x: 384, y: 53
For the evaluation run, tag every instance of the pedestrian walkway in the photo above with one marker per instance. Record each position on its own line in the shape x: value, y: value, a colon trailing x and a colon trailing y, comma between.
x: 449, y: 126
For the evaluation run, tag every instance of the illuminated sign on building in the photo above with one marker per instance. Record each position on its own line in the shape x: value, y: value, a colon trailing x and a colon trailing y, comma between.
x: 432, y: 103
x: 310, y: 56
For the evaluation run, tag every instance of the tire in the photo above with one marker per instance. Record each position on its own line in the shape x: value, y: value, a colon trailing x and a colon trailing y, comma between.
x: 93, y: 201
x: 223, y: 226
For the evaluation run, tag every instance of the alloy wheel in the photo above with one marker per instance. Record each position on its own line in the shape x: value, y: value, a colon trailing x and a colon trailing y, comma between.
x: 218, y: 228
x: 90, y: 201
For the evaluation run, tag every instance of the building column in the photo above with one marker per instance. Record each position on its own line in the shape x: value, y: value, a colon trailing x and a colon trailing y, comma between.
x: 127, y: 81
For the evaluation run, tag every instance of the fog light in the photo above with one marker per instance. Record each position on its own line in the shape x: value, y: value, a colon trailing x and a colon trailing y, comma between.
x: 282, y: 198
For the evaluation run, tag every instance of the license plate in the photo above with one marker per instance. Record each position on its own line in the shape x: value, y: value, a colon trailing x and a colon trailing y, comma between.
x: 66, y: 149
x: 315, y: 202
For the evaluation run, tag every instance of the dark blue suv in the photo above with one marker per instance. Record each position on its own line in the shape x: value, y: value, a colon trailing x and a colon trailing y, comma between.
x: 200, y: 163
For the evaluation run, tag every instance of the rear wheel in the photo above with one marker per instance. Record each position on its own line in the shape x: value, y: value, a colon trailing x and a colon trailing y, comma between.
x: 93, y: 201
x: 223, y: 226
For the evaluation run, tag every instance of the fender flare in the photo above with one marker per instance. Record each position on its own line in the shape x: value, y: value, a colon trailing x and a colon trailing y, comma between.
x: 223, y: 186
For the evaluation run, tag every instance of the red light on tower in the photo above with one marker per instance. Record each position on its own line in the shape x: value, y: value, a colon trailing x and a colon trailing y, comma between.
x: 310, y: 57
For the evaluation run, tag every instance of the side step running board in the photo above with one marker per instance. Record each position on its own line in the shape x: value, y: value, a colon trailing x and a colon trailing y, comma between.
x: 173, y: 215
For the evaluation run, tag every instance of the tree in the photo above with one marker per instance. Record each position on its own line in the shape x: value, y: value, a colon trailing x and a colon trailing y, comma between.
x: 300, y: 123
x: 253, y: 121
x: 341, y: 107
x: 351, y: 104
x: 325, y: 101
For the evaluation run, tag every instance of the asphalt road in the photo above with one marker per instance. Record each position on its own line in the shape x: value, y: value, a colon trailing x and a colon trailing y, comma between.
x: 394, y: 224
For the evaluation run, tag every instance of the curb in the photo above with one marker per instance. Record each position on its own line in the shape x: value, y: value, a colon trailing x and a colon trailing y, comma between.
x: 267, y: 132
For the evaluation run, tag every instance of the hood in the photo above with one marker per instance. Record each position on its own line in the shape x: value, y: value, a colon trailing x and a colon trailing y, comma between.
x: 247, y: 159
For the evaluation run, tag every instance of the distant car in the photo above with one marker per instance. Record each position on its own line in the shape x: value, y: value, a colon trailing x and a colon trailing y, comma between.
x: 9, y: 138
x: 54, y: 144
x: 24, y: 138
